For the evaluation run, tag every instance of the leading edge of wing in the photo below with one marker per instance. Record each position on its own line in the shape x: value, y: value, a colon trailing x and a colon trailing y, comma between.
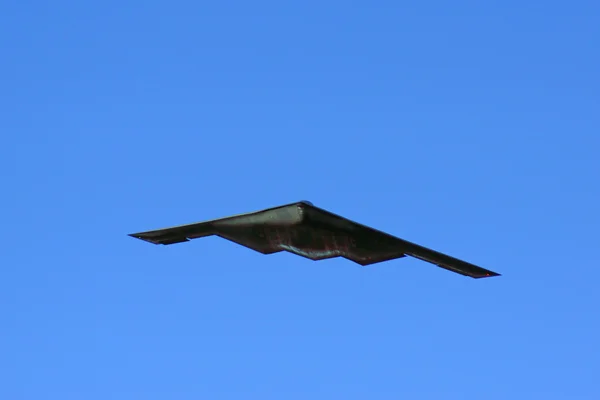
x: 183, y: 233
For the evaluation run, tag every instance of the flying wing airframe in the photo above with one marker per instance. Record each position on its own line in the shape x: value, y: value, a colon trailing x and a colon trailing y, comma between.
x: 312, y: 232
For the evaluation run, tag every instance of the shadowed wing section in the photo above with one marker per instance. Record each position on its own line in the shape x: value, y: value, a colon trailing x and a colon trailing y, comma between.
x: 370, y: 246
x: 348, y: 239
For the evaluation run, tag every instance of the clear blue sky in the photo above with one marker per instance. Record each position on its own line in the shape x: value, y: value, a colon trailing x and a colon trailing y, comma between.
x: 470, y: 127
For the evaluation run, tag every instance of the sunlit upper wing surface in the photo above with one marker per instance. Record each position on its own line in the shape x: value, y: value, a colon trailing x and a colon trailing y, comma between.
x: 309, y: 231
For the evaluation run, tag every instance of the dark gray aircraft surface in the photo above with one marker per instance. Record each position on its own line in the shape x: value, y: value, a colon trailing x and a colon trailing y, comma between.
x: 312, y: 232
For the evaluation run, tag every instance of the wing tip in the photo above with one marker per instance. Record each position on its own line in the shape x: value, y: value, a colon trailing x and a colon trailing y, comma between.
x: 165, y: 240
x: 488, y: 274
x: 143, y: 237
